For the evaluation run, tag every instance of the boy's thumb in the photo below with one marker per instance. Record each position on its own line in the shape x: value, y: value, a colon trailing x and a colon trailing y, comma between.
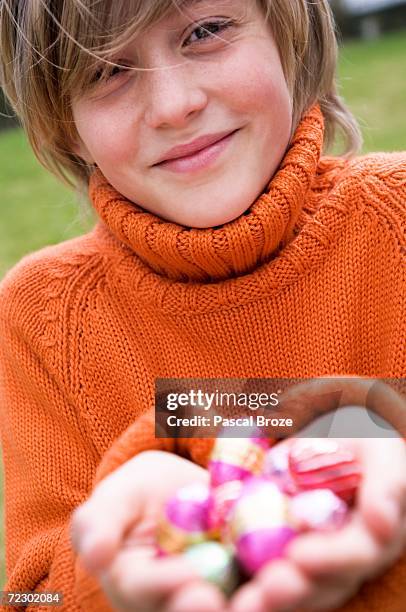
x: 382, y: 496
x: 97, y: 530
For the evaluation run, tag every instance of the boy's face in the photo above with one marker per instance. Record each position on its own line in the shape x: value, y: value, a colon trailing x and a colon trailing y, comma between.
x: 201, y: 86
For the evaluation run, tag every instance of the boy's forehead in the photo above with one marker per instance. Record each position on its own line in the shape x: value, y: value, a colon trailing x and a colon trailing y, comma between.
x: 189, y: 6
x: 193, y: 3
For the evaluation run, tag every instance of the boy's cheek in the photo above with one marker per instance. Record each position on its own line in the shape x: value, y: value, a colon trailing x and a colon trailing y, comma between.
x: 107, y: 137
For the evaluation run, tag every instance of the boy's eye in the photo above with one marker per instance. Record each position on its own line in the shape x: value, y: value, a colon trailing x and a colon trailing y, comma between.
x: 204, y: 32
x: 208, y: 31
x: 104, y: 75
x: 116, y: 70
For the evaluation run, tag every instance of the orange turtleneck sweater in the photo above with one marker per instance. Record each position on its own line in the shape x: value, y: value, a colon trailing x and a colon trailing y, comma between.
x: 309, y: 282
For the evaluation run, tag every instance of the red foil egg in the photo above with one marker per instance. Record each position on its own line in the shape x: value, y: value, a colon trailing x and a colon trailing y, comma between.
x: 324, y: 464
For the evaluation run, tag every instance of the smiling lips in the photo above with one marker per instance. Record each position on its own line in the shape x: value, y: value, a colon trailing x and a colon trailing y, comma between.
x: 196, y: 155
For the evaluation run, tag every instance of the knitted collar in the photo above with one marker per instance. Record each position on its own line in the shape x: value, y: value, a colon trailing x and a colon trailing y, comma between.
x: 237, y: 247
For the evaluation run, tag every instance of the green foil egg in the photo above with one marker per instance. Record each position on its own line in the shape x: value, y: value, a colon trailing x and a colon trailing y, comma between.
x: 215, y: 563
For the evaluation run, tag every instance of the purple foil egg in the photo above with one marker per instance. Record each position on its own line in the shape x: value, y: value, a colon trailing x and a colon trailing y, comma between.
x: 186, y: 518
x: 257, y: 548
x: 319, y: 509
x: 189, y: 508
x: 222, y: 472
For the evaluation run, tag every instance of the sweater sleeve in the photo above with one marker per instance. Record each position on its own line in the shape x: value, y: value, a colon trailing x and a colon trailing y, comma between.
x: 50, y: 467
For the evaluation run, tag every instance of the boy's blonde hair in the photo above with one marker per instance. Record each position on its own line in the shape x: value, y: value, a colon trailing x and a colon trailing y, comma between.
x: 49, y: 50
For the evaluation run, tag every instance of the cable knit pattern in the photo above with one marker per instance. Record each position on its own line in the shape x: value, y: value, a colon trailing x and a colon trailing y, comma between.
x: 310, y: 282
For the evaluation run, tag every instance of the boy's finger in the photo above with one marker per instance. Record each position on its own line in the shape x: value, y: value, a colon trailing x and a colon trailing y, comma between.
x: 98, y: 526
x: 286, y: 587
x: 249, y: 597
x: 284, y: 584
x: 351, y: 549
x: 382, y: 495
x: 328, y: 594
x: 135, y: 579
x: 118, y: 501
x: 196, y: 597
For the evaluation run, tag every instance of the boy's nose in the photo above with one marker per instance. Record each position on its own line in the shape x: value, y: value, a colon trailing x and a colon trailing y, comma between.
x: 173, y: 97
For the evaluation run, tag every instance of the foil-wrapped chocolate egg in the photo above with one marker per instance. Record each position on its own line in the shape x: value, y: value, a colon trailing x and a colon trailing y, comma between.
x: 319, y: 509
x: 186, y: 519
x: 236, y: 459
x: 276, y: 467
x: 260, y: 524
x: 224, y: 499
x: 214, y: 562
x: 324, y: 464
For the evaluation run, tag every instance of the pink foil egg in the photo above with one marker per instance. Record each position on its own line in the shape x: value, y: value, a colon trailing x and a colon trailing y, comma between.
x: 260, y: 524
x: 276, y: 467
x: 236, y: 459
x: 324, y: 464
x: 320, y: 509
x: 186, y: 519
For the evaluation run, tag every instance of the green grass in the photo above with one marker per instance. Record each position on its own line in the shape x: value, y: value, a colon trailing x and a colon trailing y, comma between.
x: 373, y: 84
x: 35, y: 210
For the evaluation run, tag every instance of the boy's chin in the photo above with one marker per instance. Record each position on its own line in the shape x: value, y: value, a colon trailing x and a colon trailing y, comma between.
x: 205, y: 219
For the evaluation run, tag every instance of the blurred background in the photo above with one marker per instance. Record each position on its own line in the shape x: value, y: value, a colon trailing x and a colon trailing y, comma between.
x: 36, y: 210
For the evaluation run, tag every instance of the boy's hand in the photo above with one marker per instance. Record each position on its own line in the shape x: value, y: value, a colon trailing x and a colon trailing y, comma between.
x: 323, y: 571
x: 114, y: 529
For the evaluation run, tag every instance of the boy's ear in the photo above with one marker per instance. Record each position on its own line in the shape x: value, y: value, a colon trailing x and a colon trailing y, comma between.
x: 79, y: 148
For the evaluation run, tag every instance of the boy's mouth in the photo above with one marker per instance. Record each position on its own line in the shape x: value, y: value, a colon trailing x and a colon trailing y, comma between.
x: 199, y: 160
x: 197, y: 145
